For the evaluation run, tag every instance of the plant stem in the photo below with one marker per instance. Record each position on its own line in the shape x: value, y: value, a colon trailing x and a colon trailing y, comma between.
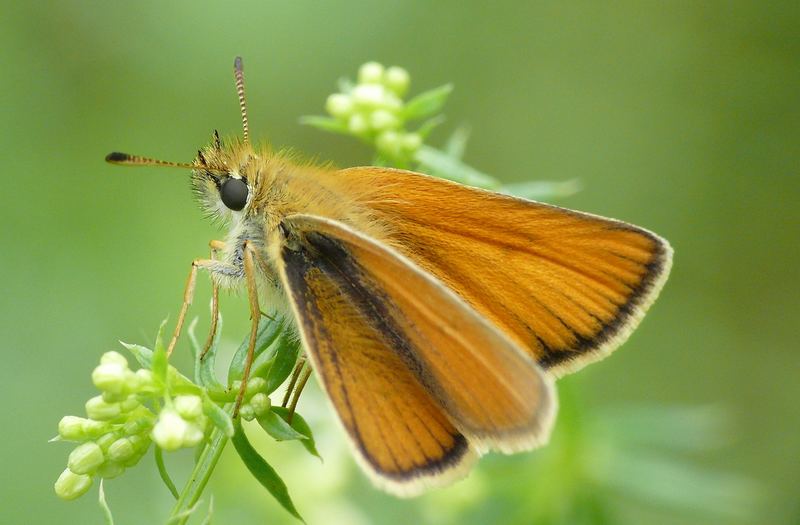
x: 199, y: 477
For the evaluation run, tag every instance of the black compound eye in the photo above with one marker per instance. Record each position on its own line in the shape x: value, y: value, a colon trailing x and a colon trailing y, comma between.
x: 234, y: 193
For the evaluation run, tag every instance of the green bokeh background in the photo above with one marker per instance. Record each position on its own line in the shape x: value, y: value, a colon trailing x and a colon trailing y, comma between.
x: 683, y: 117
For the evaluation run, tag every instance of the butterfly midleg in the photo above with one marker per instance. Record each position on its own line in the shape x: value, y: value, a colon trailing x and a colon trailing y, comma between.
x: 296, y: 397
x: 249, y: 254
x: 210, y: 265
x: 293, y: 381
x: 215, y: 246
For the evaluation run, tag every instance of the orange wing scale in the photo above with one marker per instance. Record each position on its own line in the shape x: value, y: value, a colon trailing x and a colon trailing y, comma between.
x: 567, y: 286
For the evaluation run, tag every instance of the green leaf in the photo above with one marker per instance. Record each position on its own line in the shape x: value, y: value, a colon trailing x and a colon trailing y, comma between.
x: 268, y: 331
x: 143, y: 355
x: 427, y: 103
x: 457, y: 143
x: 441, y: 164
x: 262, y: 471
x: 286, y: 353
x: 159, y: 364
x: 542, y: 190
x: 277, y: 427
x: 299, y: 424
x: 218, y: 415
x: 204, y: 370
x: 345, y: 85
x: 325, y: 124
x: 104, y: 504
x: 162, y: 471
x: 429, y: 125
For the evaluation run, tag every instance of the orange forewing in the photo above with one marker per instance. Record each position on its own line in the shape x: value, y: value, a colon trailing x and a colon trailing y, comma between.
x: 411, y: 369
x: 567, y: 286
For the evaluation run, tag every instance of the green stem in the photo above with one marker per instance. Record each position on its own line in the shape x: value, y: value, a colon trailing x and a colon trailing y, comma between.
x: 199, y: 477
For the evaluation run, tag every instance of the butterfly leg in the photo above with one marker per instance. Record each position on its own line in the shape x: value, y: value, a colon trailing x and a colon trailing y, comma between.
x: 297, y: 391
x: 255, y: 316
x: 215, y: 246
x: 293, y: 381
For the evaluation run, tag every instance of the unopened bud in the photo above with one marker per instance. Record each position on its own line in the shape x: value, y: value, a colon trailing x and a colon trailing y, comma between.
x: 71, y: 427
x: 397, y: 79
x: 110, y: 377
x: 70, y: 485
x: 339, y: 105
x: 97, y: 408
x: 370, y: 73
x: 169, y: 430
x: 121, y: 450
x: 260, y: 403
x: 188, y: 406
x: 85, y: 458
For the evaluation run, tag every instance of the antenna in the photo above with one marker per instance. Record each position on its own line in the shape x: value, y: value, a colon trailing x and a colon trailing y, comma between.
x: 238, y: 73
x: 124, y: 159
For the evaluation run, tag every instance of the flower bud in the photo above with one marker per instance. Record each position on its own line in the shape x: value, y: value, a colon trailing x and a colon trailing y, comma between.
x: 121, y: 450
x: 247, y: 413
x: 129, y: 403
x: 260, y: 403
x: 113, y: 358
x: 369, y: 95
x: 71, y: 427
x: 382, y: 119
x: 70, y: 485
x: 110, y: 469
x: 93, y: 429
x: 144, y: 381
x: 389, y: 142
x: 137, y: 426
x: 97, y: 408
x: 110, y: 377
x: 397, y: 79
x: 105, y: 441
x: 357, y: 124
x: 139, y: 442
x: 193, y: 436
x: 370, y: 73
x: 169, y: 430
x: 411, y: 142
x: 85, y: 458
x: 256, y: 384
x: 339, y: 105
x: 188, y: 406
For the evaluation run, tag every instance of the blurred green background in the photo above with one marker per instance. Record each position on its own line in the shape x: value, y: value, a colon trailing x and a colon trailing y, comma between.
x: 683, y: 117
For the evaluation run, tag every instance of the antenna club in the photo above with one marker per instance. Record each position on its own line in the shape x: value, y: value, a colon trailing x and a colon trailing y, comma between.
x: 116, y: 157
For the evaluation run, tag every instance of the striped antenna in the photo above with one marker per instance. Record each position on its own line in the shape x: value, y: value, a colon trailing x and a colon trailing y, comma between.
x: 125, y: 159
x: 239, y: 74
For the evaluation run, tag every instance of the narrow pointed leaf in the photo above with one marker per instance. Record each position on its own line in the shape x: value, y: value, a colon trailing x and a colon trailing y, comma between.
x: 143, y: 355
x: 427, y: 103
x: 268, y: 331
x: 300, y: 426
x: 162, y: 471
x: 453, y: 169
x: 275, y: 426
x: 325, y: 124
x: 262, y: 471
x: 286, y: 353
x: 221, y: 419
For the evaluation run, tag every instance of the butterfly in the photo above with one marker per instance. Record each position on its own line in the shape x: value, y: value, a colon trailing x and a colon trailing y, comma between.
x: 436, y: 316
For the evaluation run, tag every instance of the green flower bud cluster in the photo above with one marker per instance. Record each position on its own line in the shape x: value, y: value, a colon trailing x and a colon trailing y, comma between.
x: 256, y: 402
x: 120, y: 423
x: 116, y: 432
x: 181, y: 425
x: 374, y: 110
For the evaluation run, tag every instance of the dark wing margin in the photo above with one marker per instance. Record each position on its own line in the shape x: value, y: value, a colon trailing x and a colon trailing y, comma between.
x: 400, y: 434
x: 419, y: 380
